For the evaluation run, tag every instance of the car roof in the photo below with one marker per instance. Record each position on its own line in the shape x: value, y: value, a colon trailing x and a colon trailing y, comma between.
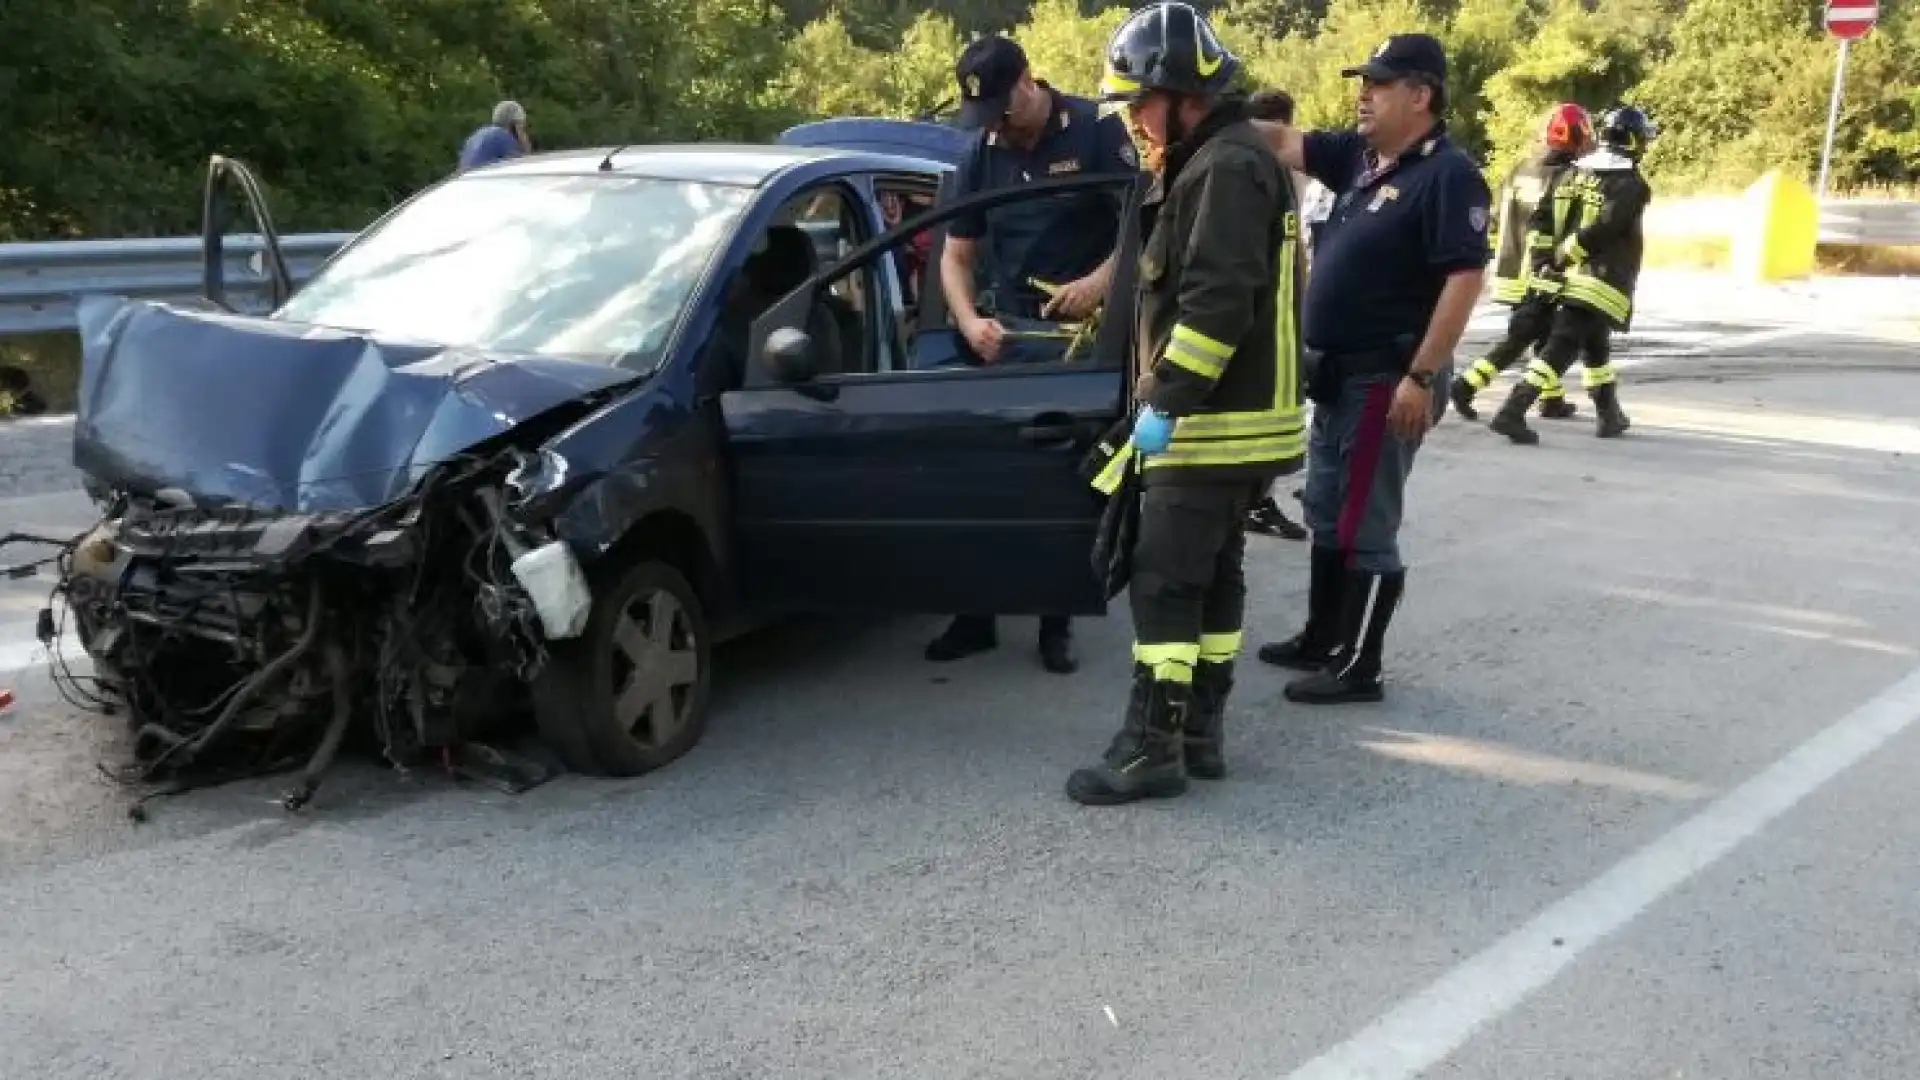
x: 744, y: 164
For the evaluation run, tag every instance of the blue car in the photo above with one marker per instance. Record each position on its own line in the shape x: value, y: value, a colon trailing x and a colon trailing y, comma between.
x: 545, y: 433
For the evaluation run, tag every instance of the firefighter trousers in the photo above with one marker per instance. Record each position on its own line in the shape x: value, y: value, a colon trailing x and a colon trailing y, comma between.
x: 1189, y: 586
x: 1576, y: 332
x: 1528, y: 327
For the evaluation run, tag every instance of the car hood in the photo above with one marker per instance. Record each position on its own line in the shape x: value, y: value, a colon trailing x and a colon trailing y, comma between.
x: 287, y: 416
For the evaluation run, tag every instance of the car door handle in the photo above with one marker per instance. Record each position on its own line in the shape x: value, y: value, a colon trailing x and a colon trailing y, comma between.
x: 1058, y: 432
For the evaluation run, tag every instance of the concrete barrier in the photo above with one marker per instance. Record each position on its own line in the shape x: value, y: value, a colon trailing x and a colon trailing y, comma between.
x: 1778, y: 229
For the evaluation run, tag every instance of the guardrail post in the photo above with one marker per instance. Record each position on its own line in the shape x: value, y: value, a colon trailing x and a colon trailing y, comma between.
x: 1779, y: 225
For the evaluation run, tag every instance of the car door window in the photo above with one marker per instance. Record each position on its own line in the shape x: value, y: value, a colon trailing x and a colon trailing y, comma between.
x: 928, y: 335
x: 900, y: 200
x: 829, y: 217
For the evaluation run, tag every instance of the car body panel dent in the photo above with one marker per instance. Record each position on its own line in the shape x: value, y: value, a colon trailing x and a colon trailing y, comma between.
x: 287, y: 417
x: 649, y: 452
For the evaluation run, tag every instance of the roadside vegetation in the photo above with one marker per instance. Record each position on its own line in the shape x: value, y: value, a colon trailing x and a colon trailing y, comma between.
x: 346, y: 106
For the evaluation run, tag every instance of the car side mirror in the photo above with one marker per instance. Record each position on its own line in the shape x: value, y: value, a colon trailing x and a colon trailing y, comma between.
x: 789, y: 356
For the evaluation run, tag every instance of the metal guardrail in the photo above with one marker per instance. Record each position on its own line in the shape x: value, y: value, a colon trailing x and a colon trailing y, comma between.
x: 39, y: 281
x: 1862, y: 222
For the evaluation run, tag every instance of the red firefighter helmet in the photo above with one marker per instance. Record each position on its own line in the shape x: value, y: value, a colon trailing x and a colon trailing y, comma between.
x: 1569, y: 128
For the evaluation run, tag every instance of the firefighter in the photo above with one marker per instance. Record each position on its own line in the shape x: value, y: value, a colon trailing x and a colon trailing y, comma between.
x: 1593, y: 214
x: 1217, y: 365
x: 1568, y: 135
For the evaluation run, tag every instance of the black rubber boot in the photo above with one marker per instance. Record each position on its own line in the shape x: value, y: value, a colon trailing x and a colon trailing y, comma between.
x: 1354, y: 675
x: 1145, y: 759
x: 1462, y: 391
x: 1056, y: 645
x: 1611, y: 422
x: 963, y: 637
x: 1206, y: 724
x: 1511, y: 420
x: 1557, y: 408
x: 1313, y: 646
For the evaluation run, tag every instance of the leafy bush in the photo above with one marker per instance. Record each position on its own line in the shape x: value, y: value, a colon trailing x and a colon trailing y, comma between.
x: 347, y: 106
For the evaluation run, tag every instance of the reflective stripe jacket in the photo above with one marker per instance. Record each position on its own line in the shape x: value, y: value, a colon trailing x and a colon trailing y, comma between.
x: 1219, y: 307
x: 1594, y: 214
x: 1526, y: 185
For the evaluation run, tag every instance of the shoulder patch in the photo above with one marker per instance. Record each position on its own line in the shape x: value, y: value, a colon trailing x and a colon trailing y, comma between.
x: 1477, y: 217
x: 1129, y: 154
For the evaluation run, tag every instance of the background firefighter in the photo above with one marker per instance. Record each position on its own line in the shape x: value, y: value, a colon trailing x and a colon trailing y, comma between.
x: 1218, y: 364
x: 1594, y: 214
x: 1568, y: 135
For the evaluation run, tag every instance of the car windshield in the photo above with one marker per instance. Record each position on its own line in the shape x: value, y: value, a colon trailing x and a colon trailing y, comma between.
x: 585, y: 267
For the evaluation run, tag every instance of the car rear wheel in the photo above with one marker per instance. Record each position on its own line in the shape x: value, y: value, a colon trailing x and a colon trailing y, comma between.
x: 630, y: 693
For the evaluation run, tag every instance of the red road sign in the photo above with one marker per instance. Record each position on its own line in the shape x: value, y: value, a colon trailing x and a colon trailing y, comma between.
x: 1849, y: 20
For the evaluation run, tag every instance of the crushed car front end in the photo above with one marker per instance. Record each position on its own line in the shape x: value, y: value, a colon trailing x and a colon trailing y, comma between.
x: 245, y: 605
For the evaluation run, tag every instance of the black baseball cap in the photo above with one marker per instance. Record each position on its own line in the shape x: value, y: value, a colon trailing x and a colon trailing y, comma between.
x: 1402, y: 55
x: 989, y: 68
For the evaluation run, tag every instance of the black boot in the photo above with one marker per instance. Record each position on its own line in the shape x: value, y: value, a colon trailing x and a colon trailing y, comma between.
x: 963, y: 637
x: 1267, y: 519
x: 1511, y: 420
x: 1557, y: 408
x: 1462, y: 391
x: 1313, y: 646
x: 1144, y: 761
x: 1354, y: 675
x: 1206, y: 724
x: 1056, y: 645
x: 1612, y: 421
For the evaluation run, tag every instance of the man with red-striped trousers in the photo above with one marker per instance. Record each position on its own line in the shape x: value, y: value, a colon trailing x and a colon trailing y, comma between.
x: 1397, y: 268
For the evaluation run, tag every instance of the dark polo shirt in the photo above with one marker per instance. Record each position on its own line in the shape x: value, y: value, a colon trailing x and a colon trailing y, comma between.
x: 1058, y: 238
x: 1397, y: 231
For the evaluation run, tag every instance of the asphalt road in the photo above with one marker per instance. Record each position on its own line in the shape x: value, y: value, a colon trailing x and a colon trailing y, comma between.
x: 1640, y: 804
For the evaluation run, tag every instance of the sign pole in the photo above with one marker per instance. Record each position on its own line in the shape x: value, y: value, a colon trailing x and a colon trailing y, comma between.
x: 1833, y: 116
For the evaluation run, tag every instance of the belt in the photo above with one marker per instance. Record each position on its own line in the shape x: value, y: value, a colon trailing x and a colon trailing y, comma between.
x: 1324, y: 369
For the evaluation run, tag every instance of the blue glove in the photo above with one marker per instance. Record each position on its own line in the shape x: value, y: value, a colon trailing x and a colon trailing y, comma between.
x: 1152, y: 430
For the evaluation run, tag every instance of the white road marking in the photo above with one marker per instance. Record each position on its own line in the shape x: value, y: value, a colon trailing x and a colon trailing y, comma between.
x: 1432, y: 1024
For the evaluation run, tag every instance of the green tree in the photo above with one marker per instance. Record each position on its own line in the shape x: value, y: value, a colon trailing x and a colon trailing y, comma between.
x: 1592, y: 57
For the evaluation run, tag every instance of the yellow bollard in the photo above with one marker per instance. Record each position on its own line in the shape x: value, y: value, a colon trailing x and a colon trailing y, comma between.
x: 1778, y: 228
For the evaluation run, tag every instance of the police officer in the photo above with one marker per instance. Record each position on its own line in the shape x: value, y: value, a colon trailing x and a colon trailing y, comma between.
x: 1397, y: 270
x: 1049, y: 258
x: 1593, y: 214
x: 1216, y: 355
x: 1568, y: 135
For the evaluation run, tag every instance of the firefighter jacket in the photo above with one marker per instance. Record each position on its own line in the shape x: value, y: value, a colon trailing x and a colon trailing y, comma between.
x: 1593, y: 214
x: 1218, y: 310
x: 1513, y: 261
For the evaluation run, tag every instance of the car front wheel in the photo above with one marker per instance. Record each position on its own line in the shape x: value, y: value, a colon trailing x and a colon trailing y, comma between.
x: 630, y: 693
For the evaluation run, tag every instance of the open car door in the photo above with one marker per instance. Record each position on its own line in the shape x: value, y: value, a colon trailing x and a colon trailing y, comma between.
x: 231, y: 189
x: 946, y: 490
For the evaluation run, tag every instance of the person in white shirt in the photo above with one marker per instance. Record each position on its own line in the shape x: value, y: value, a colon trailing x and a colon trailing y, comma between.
x: 1266, y: 516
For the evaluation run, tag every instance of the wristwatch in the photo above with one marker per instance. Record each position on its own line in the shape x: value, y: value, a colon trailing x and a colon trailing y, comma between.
x: 1421, y: 379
